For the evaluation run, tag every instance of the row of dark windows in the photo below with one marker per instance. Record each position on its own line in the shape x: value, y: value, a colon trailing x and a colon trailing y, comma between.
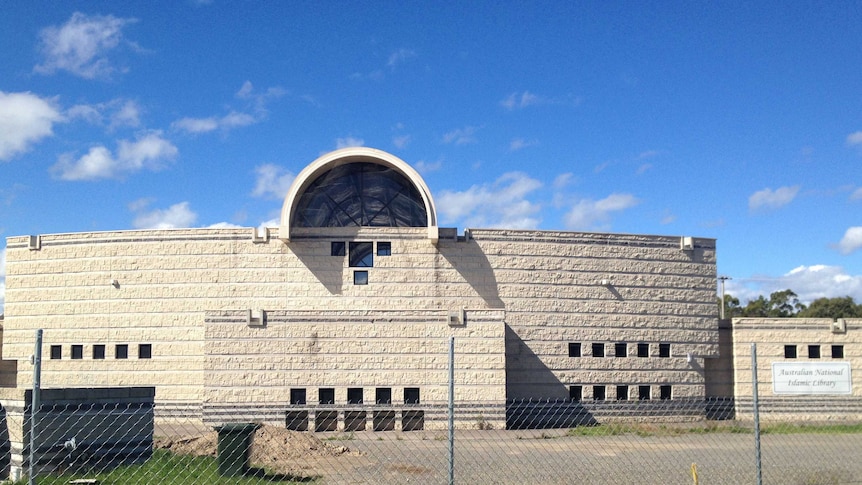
x: 355, y: 395
x: 360, y: 255
x: 623, y: 392
x: 121, y: 351
x: 792, y: 351
x: 621, y: 349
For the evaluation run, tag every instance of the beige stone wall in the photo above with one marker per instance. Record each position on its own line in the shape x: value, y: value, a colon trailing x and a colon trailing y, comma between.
x: 528, y: 292
x: 770, y: 336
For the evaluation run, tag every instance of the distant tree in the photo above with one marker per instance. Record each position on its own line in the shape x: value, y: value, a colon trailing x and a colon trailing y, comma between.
x: 731, y: 306
x: 780, y: 304
x: 843, y: 307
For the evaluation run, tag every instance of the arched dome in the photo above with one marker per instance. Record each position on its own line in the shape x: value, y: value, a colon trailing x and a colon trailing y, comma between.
x: 356, y: 187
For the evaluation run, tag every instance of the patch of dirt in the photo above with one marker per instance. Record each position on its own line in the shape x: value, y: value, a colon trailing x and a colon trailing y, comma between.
x: 273, y: 448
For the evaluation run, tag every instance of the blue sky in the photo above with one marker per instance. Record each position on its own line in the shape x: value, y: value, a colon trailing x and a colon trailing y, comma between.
x: 738, y: 121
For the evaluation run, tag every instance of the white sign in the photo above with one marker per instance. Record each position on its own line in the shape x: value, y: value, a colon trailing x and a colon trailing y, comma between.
x: 811, y: 378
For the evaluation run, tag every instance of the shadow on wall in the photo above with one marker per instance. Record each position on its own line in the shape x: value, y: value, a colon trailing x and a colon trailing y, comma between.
x: 467, y: 257
x: 328, y: 270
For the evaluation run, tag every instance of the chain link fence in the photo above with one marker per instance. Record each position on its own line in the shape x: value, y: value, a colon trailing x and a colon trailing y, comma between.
x: 613, y: 442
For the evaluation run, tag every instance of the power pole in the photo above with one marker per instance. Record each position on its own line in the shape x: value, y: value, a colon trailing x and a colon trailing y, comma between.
x: 721, y: 280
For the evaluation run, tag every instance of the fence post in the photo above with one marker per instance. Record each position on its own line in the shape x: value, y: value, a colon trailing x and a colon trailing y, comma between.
x: 756, y: 409
x: 451, y: 410
x: 34, y: 403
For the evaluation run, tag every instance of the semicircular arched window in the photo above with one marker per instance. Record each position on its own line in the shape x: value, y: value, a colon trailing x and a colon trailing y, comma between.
x: 361, y: 194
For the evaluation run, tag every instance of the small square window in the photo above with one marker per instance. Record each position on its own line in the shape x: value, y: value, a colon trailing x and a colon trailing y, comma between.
x: 77, y: 351
x: 354, y: 395
x: 599, y: 393
x: 297, y: 396
x: 360, y: 277
x: 664, y: 392
x: 837, y: 351
x: 789, y: 351
x: 98, y: 351
x: 598, y: 350
x: 664, y: 350
x: 813, y: 351
x: 384, y: 248
x: 326, y: 395
x: 622, y: 393
x: 336, y: 248
x: 411, y: 395
x: 643, y: 350
x: 145, y: 351
x: 121, y: 351
x: 56, y: 352
x: 361, y: 255
x: 383, y: 395
x: 644, y: 393
x: 621, y: 349
x: 576, y: 393
x: 574, y: 349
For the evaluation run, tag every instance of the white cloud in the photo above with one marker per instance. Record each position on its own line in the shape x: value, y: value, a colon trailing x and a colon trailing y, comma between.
x: 120, y: 113
x: 148, y: 152
x: 203, y: 125
x: 427, y: 167
x: 588, y: 214
x: 851, y: 241
x: 273, y: 182
x: 128, y: 114
x: 563, y: 180
x: 401, y: 141
x: 400, y: 56
x: 854, y: 138
x: 175, y: 216
x: 519, y: 143
x: 522, y: 100
x: 857, y: 194
x: 224, y: 225
x: 81, y: 45
x: 349, y: 142
x: 772, y: 199
x: 461, y: 136
x: 503, y: 204
x: 808, y: 282
x: 24, y: 120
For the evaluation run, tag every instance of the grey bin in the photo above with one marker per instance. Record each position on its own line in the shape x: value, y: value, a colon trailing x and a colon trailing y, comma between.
x: 234, y: 447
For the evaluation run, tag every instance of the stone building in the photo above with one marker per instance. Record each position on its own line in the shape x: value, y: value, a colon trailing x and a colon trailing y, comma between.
x: 353, y: 300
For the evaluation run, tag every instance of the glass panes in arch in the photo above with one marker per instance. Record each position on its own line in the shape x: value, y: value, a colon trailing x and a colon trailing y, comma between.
x: 361, y: 194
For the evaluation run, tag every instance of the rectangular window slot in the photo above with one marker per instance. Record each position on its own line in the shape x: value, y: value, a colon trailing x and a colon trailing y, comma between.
x: 56, y: 352
x: 326, y: 421
x: 664, y: 350
x: 622, y: 393
x: 326, y: 395
x: 643, y: 350
x: 77, y: 352
x: 411, y: 395
x: 837, y: 351
x: 360, y: 278
x: 598, y: 350
x: 384, y: 248
x: 354, y: 420
x: 121, y: 351
x: 354, y: 395
x: 383, y: 420
x: 383, y: 395
x: 813, y: 351
x: 145, y: 351
x: 574, y: 349
x: 98, y: 351
x: 644, y: 393
x: 296, y: 420
x: 337, y: 248
x: 789, y: 351
x: 621, y: 349
x: 665, y: 392
x: 412, y: 420
x: 297, y: 396
x: 361, y: 255
x: 576, y: 393
x: 598, y: 393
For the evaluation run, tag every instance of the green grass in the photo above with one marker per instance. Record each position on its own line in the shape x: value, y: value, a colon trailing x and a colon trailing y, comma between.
x: 166, y: 467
